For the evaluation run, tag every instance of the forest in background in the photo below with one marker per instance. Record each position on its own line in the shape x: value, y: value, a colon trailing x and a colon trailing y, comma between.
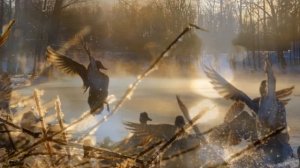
x: 136, y: 31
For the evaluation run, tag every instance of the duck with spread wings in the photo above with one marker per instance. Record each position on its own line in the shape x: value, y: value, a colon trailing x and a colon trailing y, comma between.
x: 93, y: 79
x: 270, y: 109
x: 229, y: 91
x: 158, y: 131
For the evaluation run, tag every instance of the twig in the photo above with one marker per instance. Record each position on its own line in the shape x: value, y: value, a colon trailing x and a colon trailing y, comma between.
x: 3, y: 132
x: 61, y: 124
x: 154, y: 66
x: 148, y: 149
x: 10, y: 137
x: 44, y: 130
x: 59, y: 160
x: 82, y: 163
x: 33, y: 134
x: 4, y: 36
x: 181, y: 152
x: 46, y: 138
x: 45, y: 153
x: 46, y: 106
x: 186, y: 114
x: 100, y: 150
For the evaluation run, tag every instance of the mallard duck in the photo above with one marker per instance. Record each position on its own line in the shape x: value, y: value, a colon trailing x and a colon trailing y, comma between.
x: 229, y: 91
x: 93, y: 79
x: 159, y: 131
x: 270, y: 109
x: 133, y: 142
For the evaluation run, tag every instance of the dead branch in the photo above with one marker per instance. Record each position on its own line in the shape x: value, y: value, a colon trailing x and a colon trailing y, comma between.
x: 44, y: 130
x: 4, y: 36
x: 102, y: 151
x: 150, y: 148
x: 61, y: 124
x: 10, y: 138
x: 33, y: 134
x: 186, y: 114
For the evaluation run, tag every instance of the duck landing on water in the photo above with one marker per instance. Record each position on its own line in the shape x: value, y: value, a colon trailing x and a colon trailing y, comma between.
x: 92, y: 77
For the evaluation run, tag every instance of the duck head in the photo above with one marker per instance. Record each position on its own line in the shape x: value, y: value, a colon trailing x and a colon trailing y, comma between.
x: 179, y: 122
x: 96, y: 64
x: 144, y: 118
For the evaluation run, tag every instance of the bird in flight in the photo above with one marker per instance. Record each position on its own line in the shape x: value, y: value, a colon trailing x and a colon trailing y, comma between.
x: 229, y: 91
x: 93, y: 78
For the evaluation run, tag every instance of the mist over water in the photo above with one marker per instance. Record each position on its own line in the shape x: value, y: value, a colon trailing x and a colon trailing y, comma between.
x: 127, y: 36
x: 157, y: 97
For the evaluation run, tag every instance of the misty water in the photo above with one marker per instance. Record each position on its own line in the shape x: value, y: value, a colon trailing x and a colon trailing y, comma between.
x: 157, y: 97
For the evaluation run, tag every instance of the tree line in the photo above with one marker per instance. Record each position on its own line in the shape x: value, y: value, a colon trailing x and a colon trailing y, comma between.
x: 141, y: 29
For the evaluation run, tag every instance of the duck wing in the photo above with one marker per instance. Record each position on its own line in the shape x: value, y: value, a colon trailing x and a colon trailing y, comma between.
x: 227, y: 90
x: 4, y: 36
x: 159, y: 131
x: 282, y: 95
x: 67, y: 65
